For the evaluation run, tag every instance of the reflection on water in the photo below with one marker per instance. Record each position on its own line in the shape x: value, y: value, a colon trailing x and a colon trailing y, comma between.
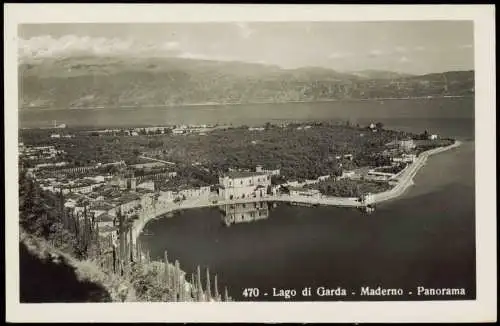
x: 244, y: 213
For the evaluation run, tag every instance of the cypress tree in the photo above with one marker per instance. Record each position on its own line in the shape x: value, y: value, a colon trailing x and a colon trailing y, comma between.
x: 131, y: 246
x: 209, y: 294
x: 181, y: 289
x: 193, y: 286
x: 216, y: 290
x: 178, y: 287
x: 61, y: 207
x: 113, y: 248
x: 199, y: 288
x: 97, y: 240
x: 167, y: 270
x: 139, y: 251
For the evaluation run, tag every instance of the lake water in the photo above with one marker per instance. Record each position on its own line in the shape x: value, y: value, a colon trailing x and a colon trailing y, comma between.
x: 425, y: 238
x: 393, y: 113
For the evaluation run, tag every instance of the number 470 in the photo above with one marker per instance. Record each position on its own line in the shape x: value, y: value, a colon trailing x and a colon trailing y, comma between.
x: 251, y: 292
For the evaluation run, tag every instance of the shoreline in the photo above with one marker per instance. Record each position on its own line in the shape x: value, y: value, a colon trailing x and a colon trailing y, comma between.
x: 405, y: 181
x: 196, y: 105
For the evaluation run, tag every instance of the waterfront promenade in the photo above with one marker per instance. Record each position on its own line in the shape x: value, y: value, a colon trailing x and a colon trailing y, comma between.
x: 405, y: 180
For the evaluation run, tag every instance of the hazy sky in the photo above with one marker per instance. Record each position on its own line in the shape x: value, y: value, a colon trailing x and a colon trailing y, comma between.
x: 408, y: 46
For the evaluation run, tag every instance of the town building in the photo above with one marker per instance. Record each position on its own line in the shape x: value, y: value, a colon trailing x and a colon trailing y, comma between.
x: 170, y: 195
x: 405, y: 158
x: 298, y: 191
x: 149, y: 165
x: 259, y: 169
x: 347, y: 175
x: 84, y: 186
x: 240, y: 184
x: 109, y: 231
x: 201, y: 192
x: 323, y: 178
x: 407, y: 144
x: 105, y: 220
x: 127, y: 203
x: 156, y: 176
x: 54, y: 164
x: 100, y: 207
x: 149, y: 185
x: 71, y: 200
x: 119, y: 181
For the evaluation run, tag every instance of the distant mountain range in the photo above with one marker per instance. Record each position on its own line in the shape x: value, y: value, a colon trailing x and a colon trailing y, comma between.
x: 83, y: 82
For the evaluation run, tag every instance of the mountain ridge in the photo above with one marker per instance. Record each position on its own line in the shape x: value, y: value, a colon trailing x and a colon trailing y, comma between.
x: 117, y: 81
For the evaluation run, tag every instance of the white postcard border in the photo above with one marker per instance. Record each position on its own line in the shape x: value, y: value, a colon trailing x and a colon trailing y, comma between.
x: 482, y: 309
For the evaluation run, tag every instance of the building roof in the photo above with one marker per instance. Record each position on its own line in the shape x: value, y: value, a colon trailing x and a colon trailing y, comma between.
x: 72, y: 196
x: 392, y: 143
x: 148, y: 165
x: 243, y: 174
x: 108, y: 228
x: 101, y: 205
x: 105, y: 217
x: 128, y: 197
x: 144, y: 191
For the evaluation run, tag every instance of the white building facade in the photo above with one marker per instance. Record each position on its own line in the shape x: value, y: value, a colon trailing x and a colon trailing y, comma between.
x: 240, y: 185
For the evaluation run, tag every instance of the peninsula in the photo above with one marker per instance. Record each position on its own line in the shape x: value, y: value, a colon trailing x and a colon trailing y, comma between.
x: 143, y: 173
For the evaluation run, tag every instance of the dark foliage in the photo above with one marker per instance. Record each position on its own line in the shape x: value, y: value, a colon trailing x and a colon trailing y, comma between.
x: 52, y: 279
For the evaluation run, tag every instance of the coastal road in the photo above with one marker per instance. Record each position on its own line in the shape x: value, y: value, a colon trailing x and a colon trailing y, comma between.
x: 405, y: 180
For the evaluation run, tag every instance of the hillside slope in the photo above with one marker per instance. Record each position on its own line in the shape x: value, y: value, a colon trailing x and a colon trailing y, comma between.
x: 48, y: 275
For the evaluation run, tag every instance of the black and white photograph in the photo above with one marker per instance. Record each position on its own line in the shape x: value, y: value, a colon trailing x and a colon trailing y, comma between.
x: 238, y: 160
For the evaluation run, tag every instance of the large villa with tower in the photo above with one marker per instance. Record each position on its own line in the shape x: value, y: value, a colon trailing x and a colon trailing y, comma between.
x: 245, y: 184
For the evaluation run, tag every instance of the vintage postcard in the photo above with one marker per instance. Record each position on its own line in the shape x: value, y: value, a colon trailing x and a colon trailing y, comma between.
x: 250, y: 163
